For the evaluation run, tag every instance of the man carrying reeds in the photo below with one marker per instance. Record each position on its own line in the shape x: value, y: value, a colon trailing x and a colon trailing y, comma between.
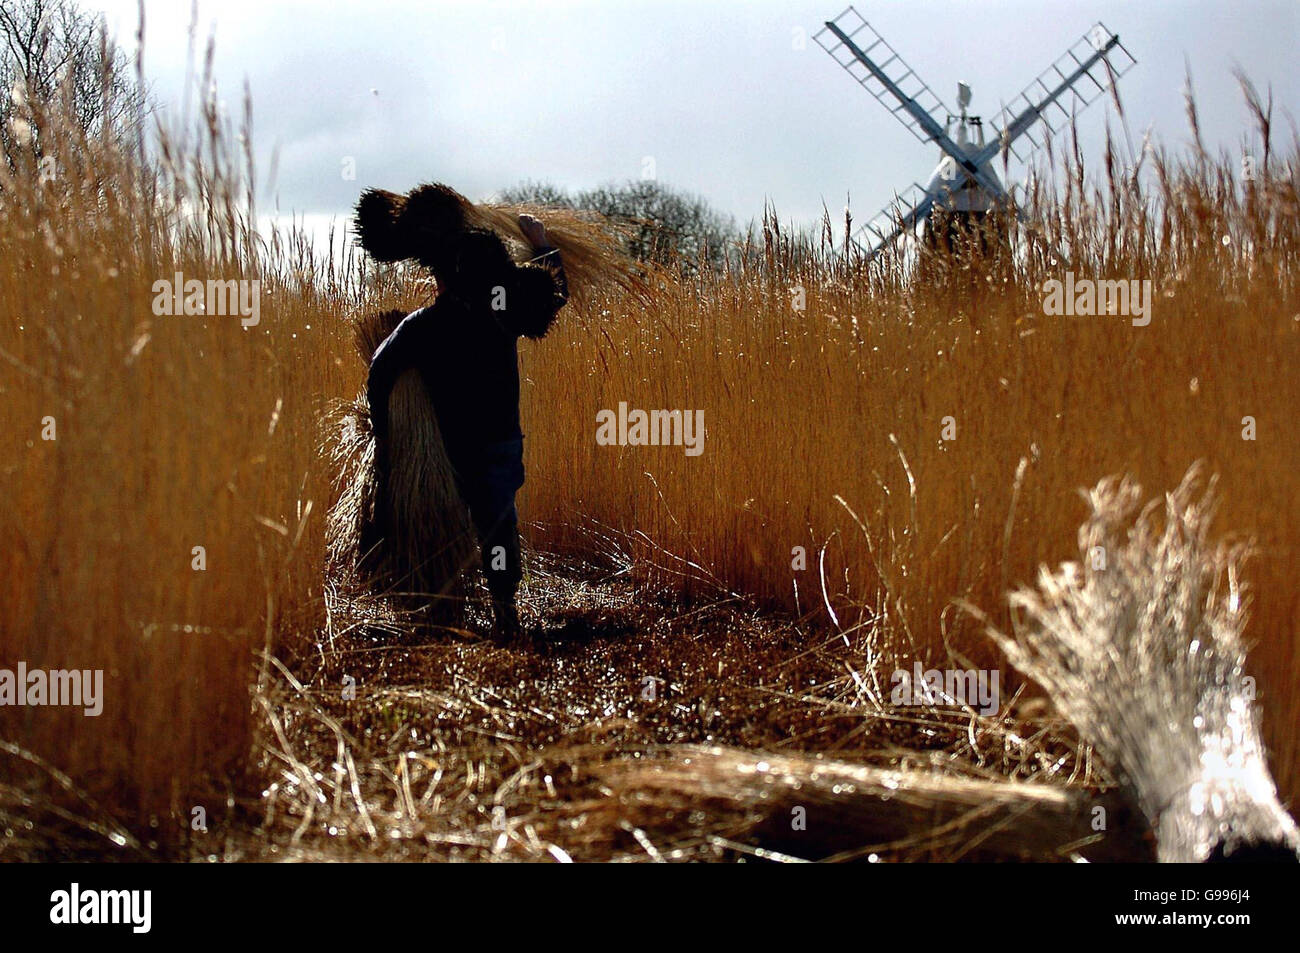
x: 465, y: 347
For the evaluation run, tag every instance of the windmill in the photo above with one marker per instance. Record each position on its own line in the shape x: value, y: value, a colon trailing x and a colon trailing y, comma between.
x: 965, y: 186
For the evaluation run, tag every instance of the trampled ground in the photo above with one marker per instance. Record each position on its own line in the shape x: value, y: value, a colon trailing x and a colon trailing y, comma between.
x: 454, y: 747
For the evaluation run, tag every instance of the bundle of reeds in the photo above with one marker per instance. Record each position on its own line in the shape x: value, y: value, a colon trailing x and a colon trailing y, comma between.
x: 590, y: 245
x: 1138, y: 646
x: 399, y: 524
x: 801, y: 807
x: 394, y: 227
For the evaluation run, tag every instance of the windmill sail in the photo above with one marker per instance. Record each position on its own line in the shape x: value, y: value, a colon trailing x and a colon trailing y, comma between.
x: 877, y: 68
x: 1080, y: 76
x: 909, y: 207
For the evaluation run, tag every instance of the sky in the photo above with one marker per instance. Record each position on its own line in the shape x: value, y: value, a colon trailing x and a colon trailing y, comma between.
x: 729, y: 100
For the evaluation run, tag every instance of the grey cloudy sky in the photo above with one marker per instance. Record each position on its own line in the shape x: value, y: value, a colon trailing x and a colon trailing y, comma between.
x: 483, y: 95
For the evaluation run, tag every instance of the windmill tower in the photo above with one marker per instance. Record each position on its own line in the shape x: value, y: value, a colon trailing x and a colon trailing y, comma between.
x: 965, y: 186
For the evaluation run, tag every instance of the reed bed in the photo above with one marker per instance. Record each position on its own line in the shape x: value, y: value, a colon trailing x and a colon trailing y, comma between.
x: 825, y: 383
x: 160, y: 493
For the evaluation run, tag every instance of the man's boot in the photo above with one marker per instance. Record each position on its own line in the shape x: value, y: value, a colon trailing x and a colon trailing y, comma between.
x: 505, y: 619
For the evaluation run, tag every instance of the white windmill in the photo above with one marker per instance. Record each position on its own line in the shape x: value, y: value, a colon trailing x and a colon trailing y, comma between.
x: 965, y: 183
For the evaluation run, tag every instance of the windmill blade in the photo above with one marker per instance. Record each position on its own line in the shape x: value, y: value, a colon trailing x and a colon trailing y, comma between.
x: 899, y: 216
x: 1080, y: 76
x: 877, y: 67
x: 891, y: 78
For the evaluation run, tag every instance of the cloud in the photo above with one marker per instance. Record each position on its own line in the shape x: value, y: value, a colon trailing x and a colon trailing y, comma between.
x: 485, y: 95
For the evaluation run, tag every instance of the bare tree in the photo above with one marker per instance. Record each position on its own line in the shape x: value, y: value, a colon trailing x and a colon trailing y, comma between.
x: 665, y: 225
x: 53, y: 51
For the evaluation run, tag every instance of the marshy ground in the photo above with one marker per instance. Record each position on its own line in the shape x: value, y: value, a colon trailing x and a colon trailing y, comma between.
x: 448, y: 746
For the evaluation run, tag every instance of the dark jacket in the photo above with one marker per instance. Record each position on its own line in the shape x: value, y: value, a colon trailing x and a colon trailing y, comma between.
x: 464, y: 344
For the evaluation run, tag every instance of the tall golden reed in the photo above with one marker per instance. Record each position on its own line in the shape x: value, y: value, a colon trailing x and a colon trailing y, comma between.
x: 160, y: 492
